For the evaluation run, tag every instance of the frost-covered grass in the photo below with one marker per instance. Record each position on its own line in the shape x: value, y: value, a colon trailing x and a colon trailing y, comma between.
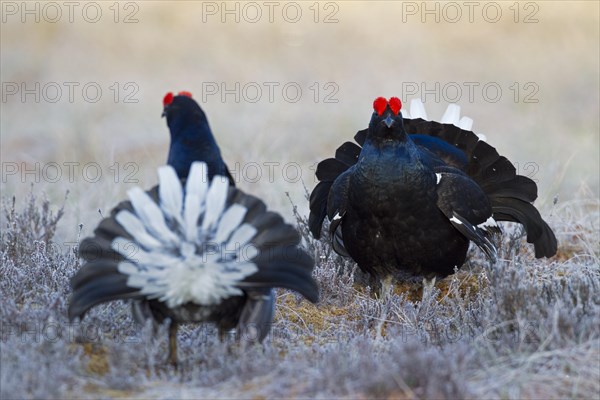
x: 523, y: 328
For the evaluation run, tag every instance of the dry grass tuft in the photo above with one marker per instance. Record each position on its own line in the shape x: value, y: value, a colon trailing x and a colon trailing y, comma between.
x: 98, y: 358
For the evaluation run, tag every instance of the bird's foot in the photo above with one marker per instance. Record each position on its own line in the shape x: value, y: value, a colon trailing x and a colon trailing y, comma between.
x: 428, y: 285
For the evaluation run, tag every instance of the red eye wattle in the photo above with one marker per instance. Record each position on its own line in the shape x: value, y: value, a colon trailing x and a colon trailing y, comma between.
x: 379, y: 105
x: 395, y: 105
x: 185, y: 93
x: 168, y: 99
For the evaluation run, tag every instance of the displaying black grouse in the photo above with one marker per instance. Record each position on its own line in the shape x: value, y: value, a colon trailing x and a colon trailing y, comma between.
x: 193, y: 249
x: 417, y: 192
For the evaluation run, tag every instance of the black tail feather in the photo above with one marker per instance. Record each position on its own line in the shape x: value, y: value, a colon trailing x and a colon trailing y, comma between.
x: 254, y: 206
x: 520, y: 187
x: 289, y: 267
x: 510, y: 194
x: 266, y: 220
x: 278, y: 236
x: 285, y: 254
x: 318, y: 207
x: 500, y: 171
x: 361, y: 136
x: 281, y: 263
x: 93, y: 270
x: 329, y: 169
x: 348, y: 153
x: 287, y: 277
x: 98, y: 248
x: 459, y: 138
x: 110, y: 228
x: 538, y: 232
x: 327, y: 172
x: 106, y: 286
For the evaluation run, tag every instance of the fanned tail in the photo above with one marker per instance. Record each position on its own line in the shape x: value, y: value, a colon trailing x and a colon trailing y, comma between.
x: 456, y: 145
x: 327, y: 171
x: 510, y: 194
x: 200, y: 245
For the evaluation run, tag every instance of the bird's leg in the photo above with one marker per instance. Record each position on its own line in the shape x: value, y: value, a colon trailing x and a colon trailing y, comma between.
x: 228, y: 333
x: 222, y: 334
x: 386, y: 287
x: 428, y: 285
x: 173, y: 343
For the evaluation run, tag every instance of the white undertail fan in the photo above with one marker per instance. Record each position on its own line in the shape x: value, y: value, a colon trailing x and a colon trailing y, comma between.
x: 193, y: 251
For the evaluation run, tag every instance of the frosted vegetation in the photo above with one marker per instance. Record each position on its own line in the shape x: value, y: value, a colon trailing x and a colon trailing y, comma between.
x: 521, y: 328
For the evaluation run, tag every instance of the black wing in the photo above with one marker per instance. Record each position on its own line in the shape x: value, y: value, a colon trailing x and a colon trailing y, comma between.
x: 467, y: 208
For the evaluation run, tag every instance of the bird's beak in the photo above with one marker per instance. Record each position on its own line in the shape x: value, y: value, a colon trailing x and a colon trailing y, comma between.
x: 164, y: 114
x: 388, y: 121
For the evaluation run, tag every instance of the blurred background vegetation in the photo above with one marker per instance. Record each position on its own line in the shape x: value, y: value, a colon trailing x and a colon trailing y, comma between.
x: 544, y: 58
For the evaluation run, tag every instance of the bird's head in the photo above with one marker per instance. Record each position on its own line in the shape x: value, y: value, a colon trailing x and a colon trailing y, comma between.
x: 386, y: 122
x: 182, y: 111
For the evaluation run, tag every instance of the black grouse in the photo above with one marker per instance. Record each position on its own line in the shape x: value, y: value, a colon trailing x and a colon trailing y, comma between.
x: 193, y: 248
x: 417, y: 192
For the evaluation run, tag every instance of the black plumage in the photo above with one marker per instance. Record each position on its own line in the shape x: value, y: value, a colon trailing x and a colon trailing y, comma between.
x: 194, y: 248
x: 413, y: 193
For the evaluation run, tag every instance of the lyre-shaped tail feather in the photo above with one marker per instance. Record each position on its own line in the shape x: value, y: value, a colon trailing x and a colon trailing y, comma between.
x: 200, y: 245
x: 327, y: 172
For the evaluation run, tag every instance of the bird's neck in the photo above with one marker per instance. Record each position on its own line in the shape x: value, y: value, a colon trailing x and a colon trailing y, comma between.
x: 387, y: 152
x: 191, y: 145
x: 387, y: 161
